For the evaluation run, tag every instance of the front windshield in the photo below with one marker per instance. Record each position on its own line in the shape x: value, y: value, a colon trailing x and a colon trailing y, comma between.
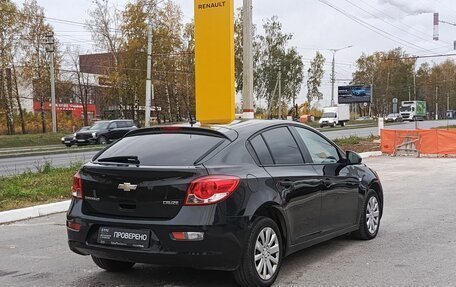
x: 329, y: 115
x: 405, y: 109
x: 99, y: 126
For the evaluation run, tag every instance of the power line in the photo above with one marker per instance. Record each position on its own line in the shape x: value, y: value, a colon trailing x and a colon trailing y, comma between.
x: 424, y: 57
x: 379, y: 31
x: 383, y: 20
x: 392, y: 18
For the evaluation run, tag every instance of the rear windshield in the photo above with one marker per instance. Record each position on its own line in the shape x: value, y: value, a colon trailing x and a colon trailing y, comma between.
x: 170, y: 149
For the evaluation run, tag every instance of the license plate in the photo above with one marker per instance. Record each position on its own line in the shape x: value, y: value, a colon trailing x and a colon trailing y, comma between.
x: 67, y: 141
x: 124, y: 237
x: 81, y: 141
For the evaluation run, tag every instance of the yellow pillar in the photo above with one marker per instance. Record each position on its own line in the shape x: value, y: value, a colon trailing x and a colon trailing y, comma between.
x: 214, y: 61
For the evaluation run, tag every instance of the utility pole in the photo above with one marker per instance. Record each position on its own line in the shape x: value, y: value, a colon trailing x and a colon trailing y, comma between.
x: 333, y: 74
x: 414, y: 85
x: 372, y: 97
x: 436, y: 103
x: 149, y: 84
x: 280, y: 93
x: 410, y: 94
x: 247, y: 93
x: 333, y: 78
x: 50, y: 49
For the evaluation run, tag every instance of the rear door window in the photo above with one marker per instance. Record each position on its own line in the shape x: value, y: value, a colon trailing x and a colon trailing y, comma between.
x: 169, y: 149
x: 122, y: 125
x: 125, y: 124
x: 261, y: 150
x: 283, y: 146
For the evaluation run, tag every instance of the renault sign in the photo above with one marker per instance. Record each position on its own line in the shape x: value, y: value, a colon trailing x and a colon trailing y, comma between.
x: 214, y: 61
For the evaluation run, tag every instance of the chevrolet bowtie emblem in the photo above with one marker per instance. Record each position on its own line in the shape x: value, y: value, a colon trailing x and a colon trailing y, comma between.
x: 127, y: 187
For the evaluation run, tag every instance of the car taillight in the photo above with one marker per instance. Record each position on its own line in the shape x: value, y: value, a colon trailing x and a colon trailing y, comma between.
x: 77, y: 186
x: 211, y: 189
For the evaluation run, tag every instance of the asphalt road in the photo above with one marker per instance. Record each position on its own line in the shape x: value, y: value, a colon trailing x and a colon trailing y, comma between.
x: 416, y: 245
x: 18, y: 165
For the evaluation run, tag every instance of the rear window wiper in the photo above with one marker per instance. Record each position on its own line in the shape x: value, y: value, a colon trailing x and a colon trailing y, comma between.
x: 121, y: 159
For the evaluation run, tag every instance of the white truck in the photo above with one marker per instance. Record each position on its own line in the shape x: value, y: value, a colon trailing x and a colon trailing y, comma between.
x: 413, y: 110
x: 333, y: 116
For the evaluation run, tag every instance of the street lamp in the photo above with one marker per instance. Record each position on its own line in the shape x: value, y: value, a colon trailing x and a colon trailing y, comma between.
x: 333, y: 76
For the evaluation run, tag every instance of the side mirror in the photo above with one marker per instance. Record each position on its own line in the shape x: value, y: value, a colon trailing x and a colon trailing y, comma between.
x: 353, y: 158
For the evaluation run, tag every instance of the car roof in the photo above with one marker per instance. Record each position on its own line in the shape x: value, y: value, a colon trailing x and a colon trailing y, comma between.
x: 249, y: 127
x: 237, y: 129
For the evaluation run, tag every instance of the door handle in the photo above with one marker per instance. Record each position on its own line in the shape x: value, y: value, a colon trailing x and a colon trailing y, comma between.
x: 327, y: 182
x: 286, y: 183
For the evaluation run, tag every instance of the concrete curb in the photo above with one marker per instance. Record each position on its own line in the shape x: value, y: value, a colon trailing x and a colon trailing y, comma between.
x: 34, y: 211
x: 371, y: 154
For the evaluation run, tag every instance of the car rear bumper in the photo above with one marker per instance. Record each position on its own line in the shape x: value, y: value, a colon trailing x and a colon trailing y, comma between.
x: 221, y: 248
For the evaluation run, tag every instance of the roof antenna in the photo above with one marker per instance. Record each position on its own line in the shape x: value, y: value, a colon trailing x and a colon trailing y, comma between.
x: 192, y: 121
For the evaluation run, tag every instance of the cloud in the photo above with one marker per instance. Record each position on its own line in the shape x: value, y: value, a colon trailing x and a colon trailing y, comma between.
x: 410, y: 7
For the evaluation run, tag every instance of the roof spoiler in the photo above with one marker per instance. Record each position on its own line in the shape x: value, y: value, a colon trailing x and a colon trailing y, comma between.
x: 215, y: 131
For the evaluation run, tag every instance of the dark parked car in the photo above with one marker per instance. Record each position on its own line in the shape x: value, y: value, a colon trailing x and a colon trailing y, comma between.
x: 395, y: 117
x: 236, y: 198
x: 70, y: 140
x: 104, y: 132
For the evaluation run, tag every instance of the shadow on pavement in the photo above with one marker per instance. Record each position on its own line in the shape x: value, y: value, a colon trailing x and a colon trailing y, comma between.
x: 150, y: 275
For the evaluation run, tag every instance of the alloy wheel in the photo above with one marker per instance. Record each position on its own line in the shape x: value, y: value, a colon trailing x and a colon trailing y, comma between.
x: 372, y: 215
x: 267, y: 252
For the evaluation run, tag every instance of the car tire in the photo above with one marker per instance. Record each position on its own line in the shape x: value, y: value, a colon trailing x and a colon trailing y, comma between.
x: 342, y: 124
x: 370, y: 217
x: 112, y: 265
x: 68, y: 145
x: 103, y: 140
x: 252, y: 257
x: 333, y: 125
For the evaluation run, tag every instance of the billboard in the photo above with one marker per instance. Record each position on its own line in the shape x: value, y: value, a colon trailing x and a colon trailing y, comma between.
x: 354, y: 94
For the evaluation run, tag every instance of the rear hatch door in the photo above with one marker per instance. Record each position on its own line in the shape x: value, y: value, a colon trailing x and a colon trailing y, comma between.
x: 146, y: 174
x: 132, y: 191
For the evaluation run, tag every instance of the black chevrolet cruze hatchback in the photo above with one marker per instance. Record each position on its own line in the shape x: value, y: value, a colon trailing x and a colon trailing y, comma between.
x: 237, y: 198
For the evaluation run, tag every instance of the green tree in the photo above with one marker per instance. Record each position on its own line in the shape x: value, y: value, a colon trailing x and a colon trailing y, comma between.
x: 273, y: 57
x: 104, y: 24
x: 436, y: 85
x: 34, y: 58
x: 390, y: 72
x: 8, y: 40
x: 314, y: 75
x: 238, y: 50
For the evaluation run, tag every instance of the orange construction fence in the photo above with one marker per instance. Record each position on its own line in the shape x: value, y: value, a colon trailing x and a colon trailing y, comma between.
x: 432, y: 142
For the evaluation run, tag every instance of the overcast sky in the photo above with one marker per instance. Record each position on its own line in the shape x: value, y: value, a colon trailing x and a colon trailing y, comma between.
x: 367, y: 25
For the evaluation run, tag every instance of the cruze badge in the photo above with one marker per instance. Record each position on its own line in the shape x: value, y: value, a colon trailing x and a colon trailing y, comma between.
x: 127, y: 187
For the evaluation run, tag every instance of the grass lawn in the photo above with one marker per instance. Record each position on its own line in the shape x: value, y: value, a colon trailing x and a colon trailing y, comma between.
x: 445, y: 127
x: 27, y: 140
x: 29, y: 189
x: 358, y: 144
